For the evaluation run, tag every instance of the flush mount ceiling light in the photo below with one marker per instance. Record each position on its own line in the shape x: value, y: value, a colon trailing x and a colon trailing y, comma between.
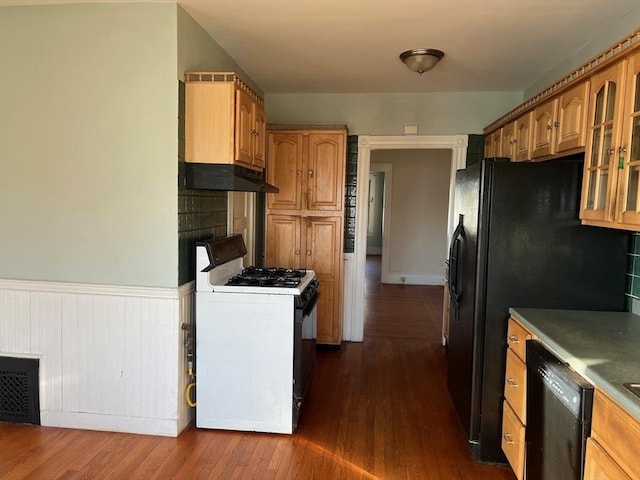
x: 421, y: 59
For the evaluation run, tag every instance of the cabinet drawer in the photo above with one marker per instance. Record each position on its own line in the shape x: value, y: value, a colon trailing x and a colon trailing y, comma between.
x: 513, y: 444
x: 515, y: 385
x: 517, y: 336
x: 617, y: 432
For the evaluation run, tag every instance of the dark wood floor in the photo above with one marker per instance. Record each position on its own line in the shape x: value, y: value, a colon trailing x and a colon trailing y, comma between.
x: 376, y: 410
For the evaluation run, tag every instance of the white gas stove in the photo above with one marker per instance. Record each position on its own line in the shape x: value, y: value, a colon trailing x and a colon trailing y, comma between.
x: 255, y: 340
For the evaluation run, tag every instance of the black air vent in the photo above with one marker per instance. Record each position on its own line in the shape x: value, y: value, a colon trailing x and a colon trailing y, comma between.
x: 19, y: 402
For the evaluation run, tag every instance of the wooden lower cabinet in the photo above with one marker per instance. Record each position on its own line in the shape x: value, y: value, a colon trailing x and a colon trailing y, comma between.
x: 599, y: 465
x: 314, y: 243
x: 616, y: 433
x: 514, y: 414
x: 513, y: 444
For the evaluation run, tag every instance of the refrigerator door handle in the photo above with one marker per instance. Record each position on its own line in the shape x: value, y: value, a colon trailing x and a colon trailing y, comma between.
x: 456, y: 257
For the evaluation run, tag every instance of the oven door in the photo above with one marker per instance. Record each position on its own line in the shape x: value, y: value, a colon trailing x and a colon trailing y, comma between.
x: 304, y: 352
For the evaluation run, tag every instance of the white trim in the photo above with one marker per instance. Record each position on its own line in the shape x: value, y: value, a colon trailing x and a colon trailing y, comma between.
x: 458, y: 145
x: 110, y: 423
x: 348, y: 297
x: 90, y: 289
x: 415, y: 279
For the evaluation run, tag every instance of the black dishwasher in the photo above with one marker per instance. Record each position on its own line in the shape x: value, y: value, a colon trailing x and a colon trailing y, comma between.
x: 559, y: 403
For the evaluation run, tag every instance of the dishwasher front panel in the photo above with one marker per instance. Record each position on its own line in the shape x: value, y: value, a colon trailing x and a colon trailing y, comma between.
x: 559, y: 403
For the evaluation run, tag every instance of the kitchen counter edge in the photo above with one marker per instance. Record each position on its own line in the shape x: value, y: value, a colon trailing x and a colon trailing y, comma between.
x: 603, y: 347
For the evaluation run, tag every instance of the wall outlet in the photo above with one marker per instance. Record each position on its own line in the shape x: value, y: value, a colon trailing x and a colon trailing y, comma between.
x: 403, y: 279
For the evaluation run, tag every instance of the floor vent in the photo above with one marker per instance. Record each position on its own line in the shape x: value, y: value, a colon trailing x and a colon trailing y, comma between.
x: 19, y: 397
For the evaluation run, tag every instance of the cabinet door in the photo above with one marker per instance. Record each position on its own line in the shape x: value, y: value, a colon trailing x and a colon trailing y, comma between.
x: 629, y: 149
x: 325, y: 171
x: 324, y: 256
x: 571, y: 119
x: 600, y: 466
x: 284, y: 241
x: 543, y: 129
x: 523, y: 138
x: 244, y: 137
x: 259, y: 135
x: 494, y: 144
x: 284, y: 170
x: 509, y: 141
x: 600, y: 172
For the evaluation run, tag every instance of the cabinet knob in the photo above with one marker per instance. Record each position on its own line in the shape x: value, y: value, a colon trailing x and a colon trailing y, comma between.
x: 299, y: 172
x: 549, y: 127
x: 507, y: 438
x: 311, y: 173
x: 622, y: 149
x: 514, y: 339
x: 297, y: 252
x: 511, y: 382
x: 308, y: 253
x: 556, y: 124
x: 611, y: 151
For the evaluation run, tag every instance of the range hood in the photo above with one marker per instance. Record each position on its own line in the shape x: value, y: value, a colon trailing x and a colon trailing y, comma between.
x: 208, y: 176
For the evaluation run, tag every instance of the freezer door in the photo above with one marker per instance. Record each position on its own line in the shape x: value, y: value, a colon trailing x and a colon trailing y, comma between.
x: 462, y: 272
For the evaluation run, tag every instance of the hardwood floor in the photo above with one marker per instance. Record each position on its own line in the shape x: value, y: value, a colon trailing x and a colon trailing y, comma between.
x: 376, y: 410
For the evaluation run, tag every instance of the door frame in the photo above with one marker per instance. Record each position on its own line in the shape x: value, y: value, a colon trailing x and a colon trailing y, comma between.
x: 353, y: 329
x: 387, y: 169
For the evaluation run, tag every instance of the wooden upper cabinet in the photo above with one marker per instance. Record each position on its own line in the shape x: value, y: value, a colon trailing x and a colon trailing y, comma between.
x: 285, y: 170
x: 509, y: 141
x: 325, y: 171
x: 309, y: 169
x: 600, y: 177
x: 543, y: 127
x: 571, y: 123
x: 629, y: 149
x: 260, y: 135
x: 224, y: 121
x: 523, y: 138
x: 559, y: 123
x: 493, y: 144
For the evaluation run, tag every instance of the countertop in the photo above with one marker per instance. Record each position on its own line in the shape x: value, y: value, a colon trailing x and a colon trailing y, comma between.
x: 604, y: 347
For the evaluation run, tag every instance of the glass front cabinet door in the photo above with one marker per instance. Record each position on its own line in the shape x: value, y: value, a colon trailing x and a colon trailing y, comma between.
x: 629, y: 149
x: 611, y: 184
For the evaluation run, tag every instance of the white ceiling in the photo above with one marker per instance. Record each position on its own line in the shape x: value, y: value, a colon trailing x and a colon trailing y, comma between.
x: 329, y: 46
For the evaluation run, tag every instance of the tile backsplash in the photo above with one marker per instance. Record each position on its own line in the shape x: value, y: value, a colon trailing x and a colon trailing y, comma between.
x: 632, y: 291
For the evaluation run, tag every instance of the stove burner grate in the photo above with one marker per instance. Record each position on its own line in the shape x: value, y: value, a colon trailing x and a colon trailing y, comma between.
x: 268, y: 277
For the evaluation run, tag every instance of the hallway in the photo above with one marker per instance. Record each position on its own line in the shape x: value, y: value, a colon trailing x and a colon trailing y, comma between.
x: 376, y: 410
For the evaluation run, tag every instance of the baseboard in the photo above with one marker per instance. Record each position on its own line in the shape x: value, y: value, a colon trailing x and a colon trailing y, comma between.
x: 415, y: 279
x: 110, y: 423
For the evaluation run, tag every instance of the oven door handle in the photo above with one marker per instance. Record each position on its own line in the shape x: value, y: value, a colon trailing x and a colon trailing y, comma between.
x: 306, y: 310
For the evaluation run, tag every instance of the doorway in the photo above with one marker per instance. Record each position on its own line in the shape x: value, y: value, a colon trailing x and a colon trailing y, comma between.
x: 240, y: 219
x: 354, y: 315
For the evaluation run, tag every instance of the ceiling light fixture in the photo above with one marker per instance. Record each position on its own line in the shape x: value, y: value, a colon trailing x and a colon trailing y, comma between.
x: 421, y: 59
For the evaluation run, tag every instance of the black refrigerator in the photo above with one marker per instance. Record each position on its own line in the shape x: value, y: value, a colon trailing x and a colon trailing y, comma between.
x: 518, y: 243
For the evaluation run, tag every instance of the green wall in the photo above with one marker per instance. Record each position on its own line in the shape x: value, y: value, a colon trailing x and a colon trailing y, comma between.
x: 88, y: 167
x: 610, y: 34
x: 386, y: 113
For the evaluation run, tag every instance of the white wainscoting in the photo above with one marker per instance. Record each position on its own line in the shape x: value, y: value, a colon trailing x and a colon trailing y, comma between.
x: 111, y: 358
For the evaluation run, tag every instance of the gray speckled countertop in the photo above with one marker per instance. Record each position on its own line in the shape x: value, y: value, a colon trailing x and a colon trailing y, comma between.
x: 604, y: 347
